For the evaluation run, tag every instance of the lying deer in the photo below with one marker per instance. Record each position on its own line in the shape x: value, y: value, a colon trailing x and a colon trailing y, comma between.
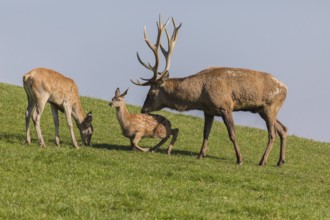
x: 137, y: 126
x: 217, y: 91
x: 44, y: 85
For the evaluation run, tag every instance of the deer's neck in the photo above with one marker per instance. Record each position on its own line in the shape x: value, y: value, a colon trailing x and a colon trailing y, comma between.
x: 123, y: 116
x: 78, y: 114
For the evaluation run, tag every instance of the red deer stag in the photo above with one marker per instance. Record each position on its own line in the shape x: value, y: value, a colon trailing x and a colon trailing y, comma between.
x: 217, y: 91
x: 137, y: 126
x: 44, y: 85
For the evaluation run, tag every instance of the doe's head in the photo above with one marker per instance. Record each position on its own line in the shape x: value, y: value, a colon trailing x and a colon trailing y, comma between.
x: 86, y: 130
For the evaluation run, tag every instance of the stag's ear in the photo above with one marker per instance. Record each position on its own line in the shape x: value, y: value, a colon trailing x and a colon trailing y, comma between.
x: 89, y: 118
x: 125, y: 93
x: 117, y: 93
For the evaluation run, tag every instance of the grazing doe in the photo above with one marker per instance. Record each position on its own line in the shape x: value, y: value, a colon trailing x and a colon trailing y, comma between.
x: 137, y: 126
x: 217, y: 91
x: 44, y: 85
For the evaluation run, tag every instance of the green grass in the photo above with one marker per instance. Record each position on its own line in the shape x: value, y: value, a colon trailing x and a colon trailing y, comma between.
x: 109, y: 181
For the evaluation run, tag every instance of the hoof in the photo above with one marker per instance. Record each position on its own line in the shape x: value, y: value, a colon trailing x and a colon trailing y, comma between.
x: 280, y: 162
x: 240, y: 163
x: 201, y: 155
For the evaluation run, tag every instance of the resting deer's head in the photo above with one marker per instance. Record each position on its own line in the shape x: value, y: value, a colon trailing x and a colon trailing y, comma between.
x: 118, y: 100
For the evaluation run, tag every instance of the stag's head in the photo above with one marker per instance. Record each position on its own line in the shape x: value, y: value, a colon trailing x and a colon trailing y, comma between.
x: 153, y: 101
x: 86, y: 129
x: 118, y: 100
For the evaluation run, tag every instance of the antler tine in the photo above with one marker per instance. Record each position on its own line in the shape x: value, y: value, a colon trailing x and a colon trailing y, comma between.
x: 149, y: 67
x: 141, y: 84
x: 171, y: 43
x: 144, y: 79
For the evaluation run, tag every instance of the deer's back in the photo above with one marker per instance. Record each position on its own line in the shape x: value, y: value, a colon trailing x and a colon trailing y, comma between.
x: 235, y: 88
x: 46, y: 82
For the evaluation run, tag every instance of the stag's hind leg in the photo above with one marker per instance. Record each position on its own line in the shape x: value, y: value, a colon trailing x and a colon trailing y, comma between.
x: 270, y: 118
x: 282, y: 132
x: 229, y: 122
x: 174, y: 133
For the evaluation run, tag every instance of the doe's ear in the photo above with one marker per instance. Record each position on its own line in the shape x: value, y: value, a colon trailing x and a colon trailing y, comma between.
x: 89, y: 118
x: 117, y: 93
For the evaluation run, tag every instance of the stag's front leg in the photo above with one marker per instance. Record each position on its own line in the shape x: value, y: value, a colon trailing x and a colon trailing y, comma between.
x: 56, y: 123
x: 208, y: 121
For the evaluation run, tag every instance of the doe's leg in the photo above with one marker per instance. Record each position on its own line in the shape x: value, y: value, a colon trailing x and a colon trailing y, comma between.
x: 36, y: 119
x: 68, y: 111
x: 56, y: 123
x: 29, y: 111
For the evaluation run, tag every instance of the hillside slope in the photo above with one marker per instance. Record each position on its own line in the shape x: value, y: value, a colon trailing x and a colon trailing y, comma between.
x: 108, y: 180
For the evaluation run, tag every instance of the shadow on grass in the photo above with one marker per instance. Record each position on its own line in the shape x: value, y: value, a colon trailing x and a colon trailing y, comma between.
x: 194, y: 154
x: 160, y: 151
x: 12, y: 138
x: 112, y: 147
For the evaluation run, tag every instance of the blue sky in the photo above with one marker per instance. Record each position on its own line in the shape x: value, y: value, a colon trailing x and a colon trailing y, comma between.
x: 95, y: 43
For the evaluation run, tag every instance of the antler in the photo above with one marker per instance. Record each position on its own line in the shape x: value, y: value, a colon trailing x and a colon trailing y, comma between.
x: 154, y: 47
x: 171, y: 43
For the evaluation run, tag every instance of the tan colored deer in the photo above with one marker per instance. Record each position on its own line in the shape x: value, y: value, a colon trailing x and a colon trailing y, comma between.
x: 217, y: 91
x: 44, y: 85
x: 137, y: 126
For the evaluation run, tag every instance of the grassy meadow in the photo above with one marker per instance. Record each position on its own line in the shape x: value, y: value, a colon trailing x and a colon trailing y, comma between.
x: 109, y: 181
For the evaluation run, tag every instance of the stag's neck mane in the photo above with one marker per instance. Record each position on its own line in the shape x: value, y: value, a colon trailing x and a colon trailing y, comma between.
x: 183, y: 93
